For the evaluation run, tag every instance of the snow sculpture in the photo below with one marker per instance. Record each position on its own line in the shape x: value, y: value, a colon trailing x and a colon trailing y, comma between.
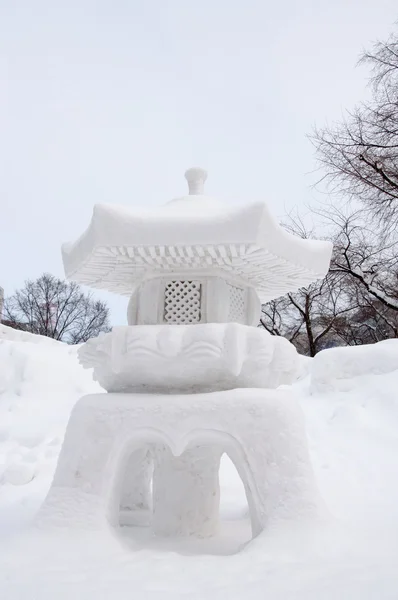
x: 182, y: 358
x: 190, y: 377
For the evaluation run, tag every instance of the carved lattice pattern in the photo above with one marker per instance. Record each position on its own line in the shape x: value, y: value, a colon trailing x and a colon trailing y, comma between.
x: 182, y: 302
x: 237, y: 305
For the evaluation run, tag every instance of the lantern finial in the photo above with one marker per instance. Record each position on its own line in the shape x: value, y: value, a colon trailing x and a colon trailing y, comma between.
x: 196, y: 178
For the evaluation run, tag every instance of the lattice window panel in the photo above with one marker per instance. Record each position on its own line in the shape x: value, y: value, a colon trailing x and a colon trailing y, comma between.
x: 182, y: 302
x: 237, y: 304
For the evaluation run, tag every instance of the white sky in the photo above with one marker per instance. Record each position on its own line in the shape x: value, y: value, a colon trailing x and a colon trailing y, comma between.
x: 110, y: 101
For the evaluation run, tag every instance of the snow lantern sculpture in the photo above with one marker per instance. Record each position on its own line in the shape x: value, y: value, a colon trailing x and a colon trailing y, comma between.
x: 191, y: 376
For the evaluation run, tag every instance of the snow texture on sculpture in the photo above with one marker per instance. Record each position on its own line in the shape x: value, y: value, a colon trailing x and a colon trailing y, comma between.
x: 185, y: 358
x: 135, y: 495
x: 194, y: 234
x: 262, y: 431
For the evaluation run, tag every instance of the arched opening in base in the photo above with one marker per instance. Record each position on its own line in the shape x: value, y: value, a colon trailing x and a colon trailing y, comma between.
x: 197, y: 501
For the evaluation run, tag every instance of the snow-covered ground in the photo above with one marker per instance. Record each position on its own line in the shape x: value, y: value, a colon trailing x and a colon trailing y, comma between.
x: 350, y: 401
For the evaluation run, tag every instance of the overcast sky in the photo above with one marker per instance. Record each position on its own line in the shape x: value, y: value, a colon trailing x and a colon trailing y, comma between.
x: 110, y: 101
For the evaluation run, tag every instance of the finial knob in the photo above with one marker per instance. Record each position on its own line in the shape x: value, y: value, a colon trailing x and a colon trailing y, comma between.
x: 196, y: 181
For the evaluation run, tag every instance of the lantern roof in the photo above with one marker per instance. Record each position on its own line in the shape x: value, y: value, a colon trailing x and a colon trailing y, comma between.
x: 192, y: 235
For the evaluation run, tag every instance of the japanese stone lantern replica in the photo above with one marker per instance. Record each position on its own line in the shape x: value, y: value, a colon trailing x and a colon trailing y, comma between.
x: 191, y: 376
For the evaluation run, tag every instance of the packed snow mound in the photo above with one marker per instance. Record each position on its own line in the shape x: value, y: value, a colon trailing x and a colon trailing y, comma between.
x: 333, y: 369
x: 40, y: 381
x: 16, y: 335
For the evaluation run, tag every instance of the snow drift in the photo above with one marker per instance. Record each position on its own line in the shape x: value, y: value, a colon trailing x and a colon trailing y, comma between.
x: 333, y: 368
x: 40, y: 381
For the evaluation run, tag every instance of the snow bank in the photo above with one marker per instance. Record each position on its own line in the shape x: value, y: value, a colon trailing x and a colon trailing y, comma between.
x: 40, y: 381
x: 14, y: 335
x: 333, y: 368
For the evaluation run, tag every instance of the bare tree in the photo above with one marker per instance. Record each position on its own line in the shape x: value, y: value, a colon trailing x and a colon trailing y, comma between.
x: 367, y: 255
x: 370, y: 322
x: 357, y: 302
x: 309, y: 317
x: 58, y: 309
x: 359, y: 155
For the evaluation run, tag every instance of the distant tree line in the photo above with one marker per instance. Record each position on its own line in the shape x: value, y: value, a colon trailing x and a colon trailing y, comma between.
x: 357, y: 302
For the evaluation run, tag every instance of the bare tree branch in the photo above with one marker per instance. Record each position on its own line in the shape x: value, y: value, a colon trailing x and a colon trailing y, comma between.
x: 359, y: 155
x: 56, y: 309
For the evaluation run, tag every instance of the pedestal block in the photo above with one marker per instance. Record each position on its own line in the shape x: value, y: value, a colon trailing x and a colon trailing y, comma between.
x: 136, y: 496
x: 101, y: 464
